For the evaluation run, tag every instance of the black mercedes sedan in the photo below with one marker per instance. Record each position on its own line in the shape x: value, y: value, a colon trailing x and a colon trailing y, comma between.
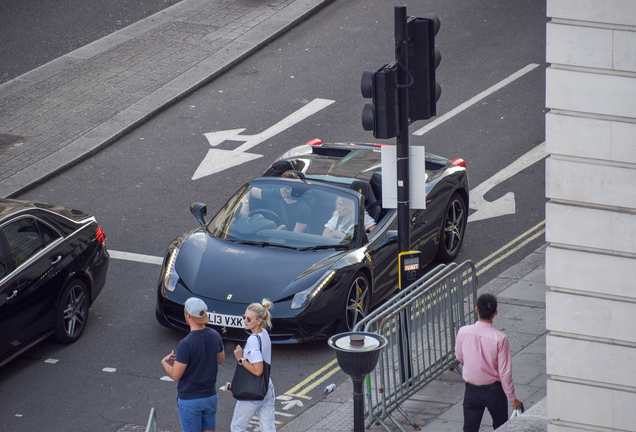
x: 53, y: 264
x: 317, y: 243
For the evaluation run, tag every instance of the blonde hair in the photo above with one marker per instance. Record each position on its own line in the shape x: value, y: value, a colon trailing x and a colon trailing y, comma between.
x: 347, y: 203
x: 262, y: 312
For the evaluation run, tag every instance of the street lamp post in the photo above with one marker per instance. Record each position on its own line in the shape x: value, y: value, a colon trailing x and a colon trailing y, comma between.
x: 357, y: 354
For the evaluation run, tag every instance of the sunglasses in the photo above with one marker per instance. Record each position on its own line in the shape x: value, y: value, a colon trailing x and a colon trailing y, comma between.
x: 248, y: 319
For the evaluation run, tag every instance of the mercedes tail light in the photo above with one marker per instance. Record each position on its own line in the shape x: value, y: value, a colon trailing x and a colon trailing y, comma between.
x: 101, y: 236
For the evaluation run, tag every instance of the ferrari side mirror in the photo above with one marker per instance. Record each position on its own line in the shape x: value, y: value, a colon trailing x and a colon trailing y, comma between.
x: 199, y: 210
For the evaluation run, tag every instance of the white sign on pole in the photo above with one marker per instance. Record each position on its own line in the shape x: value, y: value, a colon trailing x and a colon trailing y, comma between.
x: 417, y: 177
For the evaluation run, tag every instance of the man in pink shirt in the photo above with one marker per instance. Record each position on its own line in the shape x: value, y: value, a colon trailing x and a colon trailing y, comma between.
x: 485, y: 353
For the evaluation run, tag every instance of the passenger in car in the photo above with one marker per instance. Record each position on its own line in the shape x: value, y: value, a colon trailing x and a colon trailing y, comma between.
x: 343, y: 219
x: 294, y: 213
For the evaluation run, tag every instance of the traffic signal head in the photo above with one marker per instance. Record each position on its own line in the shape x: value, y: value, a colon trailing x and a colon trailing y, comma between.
x: 381, y: 115
x: 423, y: 59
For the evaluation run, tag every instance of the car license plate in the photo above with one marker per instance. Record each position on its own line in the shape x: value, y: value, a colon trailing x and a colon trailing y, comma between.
x: 221, y: 320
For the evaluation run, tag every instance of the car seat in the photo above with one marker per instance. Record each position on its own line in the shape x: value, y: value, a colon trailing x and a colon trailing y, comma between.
x: 278, y: 168
x: 371, y: 205
x: 376, y: 186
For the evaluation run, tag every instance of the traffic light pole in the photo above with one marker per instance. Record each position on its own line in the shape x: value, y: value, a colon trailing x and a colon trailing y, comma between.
x: 389, y: 114
x: 402, y: 152
x: 402, y: 138
x: 411, y: 76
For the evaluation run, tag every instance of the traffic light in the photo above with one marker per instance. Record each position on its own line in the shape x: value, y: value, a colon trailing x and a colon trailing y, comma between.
x: 380, y: 116
x: 423, y: 59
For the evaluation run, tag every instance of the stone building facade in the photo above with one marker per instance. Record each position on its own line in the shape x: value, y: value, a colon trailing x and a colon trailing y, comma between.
x: 591, y: 214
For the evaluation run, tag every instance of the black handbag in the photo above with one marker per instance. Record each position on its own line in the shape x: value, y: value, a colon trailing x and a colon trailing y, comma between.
x: 246, y: 385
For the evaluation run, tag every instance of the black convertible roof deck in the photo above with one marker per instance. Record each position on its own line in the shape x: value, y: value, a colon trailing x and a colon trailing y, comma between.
x: 433, y: 162
x: 340, y: 149
x: 330, y: 151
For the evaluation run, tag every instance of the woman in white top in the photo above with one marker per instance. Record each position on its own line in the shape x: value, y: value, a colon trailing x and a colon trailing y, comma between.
x: 258, y: 320
x: 343, y: 219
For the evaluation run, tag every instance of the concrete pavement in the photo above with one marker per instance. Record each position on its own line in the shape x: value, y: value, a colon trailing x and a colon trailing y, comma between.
x: 72, y: 107
x: 438, y: 406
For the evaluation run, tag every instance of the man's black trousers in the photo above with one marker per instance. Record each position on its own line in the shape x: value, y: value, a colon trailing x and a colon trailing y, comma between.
x: 477, y: 398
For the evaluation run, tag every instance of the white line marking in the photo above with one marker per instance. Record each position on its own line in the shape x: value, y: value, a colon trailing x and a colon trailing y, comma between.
x: 127, y: 256
x: 506, y: 204
x: 217, y: 160
x: 292, y: 403
x: 475, y: 99
x: 296, y: 117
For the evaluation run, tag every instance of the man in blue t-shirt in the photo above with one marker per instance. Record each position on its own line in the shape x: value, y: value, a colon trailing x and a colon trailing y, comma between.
x: 195, y: 367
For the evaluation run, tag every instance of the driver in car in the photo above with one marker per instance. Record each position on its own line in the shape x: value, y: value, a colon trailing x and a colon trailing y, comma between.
x: 294, y: 213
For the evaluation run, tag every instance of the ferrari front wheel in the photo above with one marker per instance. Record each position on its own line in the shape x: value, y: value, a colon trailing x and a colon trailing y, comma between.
x: 357, y: 306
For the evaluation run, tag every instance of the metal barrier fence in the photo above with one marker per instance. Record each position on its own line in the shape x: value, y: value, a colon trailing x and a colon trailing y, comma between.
x: 420, y: 323
x: 151, y: 426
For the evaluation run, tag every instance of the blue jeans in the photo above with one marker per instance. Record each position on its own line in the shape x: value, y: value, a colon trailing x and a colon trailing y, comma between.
x: 198, y: 414
x: 478, y: 398
x: 245, y: 410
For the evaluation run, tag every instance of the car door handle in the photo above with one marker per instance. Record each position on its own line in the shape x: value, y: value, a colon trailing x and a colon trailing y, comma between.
x: 13, y: 294
x: 56, y: 260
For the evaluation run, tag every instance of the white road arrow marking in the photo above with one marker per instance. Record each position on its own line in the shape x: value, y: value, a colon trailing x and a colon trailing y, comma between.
x: 506, y: 204
x: 218, y: 160
x: 291, y: 404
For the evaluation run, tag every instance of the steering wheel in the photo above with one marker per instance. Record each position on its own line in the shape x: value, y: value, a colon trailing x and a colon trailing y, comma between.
x: 267, y: 214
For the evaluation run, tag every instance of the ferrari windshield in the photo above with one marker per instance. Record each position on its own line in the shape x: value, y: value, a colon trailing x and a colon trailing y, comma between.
x: 289, y: 213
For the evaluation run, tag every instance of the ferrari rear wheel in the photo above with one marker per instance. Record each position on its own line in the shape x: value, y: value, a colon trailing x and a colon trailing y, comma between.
x: 357, y: 302
x: 453, y: 228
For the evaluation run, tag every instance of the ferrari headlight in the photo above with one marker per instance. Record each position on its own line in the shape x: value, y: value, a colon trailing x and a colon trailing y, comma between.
x: 304, y: 297
x: 171, y: 277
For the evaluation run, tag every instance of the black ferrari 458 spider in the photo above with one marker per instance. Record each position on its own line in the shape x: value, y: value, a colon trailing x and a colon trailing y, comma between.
x: 316, y: 242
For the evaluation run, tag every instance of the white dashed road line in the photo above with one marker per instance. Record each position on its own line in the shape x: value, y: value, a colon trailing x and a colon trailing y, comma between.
x: 127, y: 256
